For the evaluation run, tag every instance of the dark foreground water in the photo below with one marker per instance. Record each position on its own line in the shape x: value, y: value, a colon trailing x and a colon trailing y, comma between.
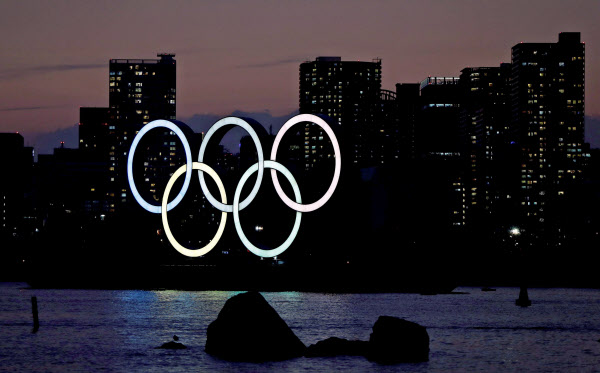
x: 104, y: 330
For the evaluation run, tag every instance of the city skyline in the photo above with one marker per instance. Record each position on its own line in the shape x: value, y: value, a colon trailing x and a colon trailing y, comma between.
x: 451, y: 148
x: 219, y: 67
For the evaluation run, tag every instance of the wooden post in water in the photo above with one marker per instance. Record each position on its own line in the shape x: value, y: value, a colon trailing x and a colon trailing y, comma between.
x: 523, y: 299
x: 34, y: 310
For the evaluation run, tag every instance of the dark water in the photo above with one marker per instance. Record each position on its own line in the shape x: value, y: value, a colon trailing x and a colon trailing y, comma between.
x: 103, y: 330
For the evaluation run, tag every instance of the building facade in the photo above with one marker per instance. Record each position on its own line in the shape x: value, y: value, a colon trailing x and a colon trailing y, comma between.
x: 547, y: 121
x: 93, y: 133
x: 347, y: 92
x: 141, y: 91
x: 17, y: 163
x: 490, y: 166
x: 408, y: 100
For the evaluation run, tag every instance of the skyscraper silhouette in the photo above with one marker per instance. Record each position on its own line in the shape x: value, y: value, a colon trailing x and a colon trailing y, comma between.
x: 140, y: 91
x: 346, y: 91
x: 547, y: 102
x: 484, y: 131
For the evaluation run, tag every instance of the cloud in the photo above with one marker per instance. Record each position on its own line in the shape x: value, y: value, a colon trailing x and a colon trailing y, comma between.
x: 28, y: 108
x: 199, y: 50
x: 271, y: 63
x: 44, y: 69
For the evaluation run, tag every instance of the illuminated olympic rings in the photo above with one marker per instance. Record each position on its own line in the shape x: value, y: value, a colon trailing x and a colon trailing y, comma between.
x: 236, y: 206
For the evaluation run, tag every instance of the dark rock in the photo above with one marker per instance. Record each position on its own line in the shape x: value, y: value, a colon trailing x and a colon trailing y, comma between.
x: 395, y: 340
x: 173, y: 346
x: 337, y: 347
x: 249, y: 329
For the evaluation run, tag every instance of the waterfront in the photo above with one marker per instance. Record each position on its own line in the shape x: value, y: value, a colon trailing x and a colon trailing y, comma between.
x: 117, y: 330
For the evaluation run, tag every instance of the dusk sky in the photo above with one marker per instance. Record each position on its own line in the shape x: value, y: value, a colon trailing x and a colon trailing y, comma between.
x: 245, y: 55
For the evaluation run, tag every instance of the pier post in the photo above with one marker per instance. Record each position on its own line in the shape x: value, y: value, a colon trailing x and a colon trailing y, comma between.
x: 34, y: 310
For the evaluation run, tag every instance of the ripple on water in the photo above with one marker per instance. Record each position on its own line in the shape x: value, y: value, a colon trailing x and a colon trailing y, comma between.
x: 99, y: 330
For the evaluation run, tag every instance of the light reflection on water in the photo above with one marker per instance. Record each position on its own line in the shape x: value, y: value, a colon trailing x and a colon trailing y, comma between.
x: 106, y: 330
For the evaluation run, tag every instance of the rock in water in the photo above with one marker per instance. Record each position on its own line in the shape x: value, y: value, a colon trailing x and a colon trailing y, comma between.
x: 173, y: 346
x: 337, y: 347
x: 396, y: 340
x: 249, y: 329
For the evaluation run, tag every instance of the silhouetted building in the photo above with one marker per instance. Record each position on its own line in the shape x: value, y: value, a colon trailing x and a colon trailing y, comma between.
x: 437, y: 134
x: 16, y: 161
x: 547, y: 101
x: 348, y: 92
x: 141, y: 91
x: 388, y: 145
x: 94, y: 133
x: 490, y: 163
x: 93, y: 154
x: 17, y: 211
x: 437, y: 146
x: 71, y: 183
x: 408, y: 105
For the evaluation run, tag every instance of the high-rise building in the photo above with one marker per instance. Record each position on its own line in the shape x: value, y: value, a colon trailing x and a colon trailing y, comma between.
x: 17, y: 214
x: 16, y: 161
x: 548, y: 101
x: 488, y: 153
x: 348, y: 92
x: 437, y: 134
x: 93, y: 133
x: 388, y: 143
x: 408, y: 106
x: 437, y: 147
x: 93, y: 156
x: 140, y: 91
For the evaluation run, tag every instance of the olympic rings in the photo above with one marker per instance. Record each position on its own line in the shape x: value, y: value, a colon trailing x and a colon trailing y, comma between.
x: 165, y: 221
x: 236, y: 210
x: 236, y: 206
x: 242, y: 123
x: 338, y: 162
x: 188, y: 157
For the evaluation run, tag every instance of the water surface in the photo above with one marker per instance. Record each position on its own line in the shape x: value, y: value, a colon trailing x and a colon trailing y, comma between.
x: 117, y: 330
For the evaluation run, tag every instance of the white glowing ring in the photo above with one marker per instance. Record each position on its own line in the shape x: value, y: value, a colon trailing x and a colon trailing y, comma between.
x: 203, y: 250
x: 188, y: 156
x: 338, y: 162
x: 241, y: 123
x: 236, y: 213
